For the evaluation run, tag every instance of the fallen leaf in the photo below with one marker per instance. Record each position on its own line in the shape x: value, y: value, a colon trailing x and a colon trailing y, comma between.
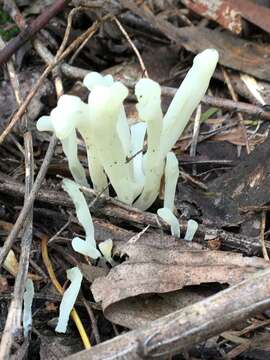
x: 152, y: 270
x: 138, y: 311
x: 236, y: 137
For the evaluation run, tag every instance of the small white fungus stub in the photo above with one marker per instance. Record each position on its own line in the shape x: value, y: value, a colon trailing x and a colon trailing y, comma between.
x: 168, y: 216
x: 192, y: 227
x: 87, y: 247
x: 69, y: 298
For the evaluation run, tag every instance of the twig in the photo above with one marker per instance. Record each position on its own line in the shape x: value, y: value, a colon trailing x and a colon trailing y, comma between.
x: 13, y: 322
x: 184, y: 328
x: 93, y: 320
x: 226, y: 104
x: 31, y: 30
x: 59, y: 232
x: 144, y: 71
x: 239, y: 115
x: 112, y: 208
x: 57, y: 285
x: 29, y: 203
x: 191, y: 179
x: 262, y: 230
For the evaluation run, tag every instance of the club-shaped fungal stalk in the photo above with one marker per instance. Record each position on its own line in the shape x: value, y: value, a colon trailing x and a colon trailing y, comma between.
x: 44, y: 123
x: 168, y: 216
x: 148, y: 93
x: 138, y: 131
x: 68, y: 114
x: 98, y: 176
x: 95, y: 79
x: 63, y: 124
x: 70, y: 148
x: 187, y: 97
x: 171, y: 177
x: 105, y: 104
x: 192, y: 227
x: 88, y: 246
x: 70, y: 295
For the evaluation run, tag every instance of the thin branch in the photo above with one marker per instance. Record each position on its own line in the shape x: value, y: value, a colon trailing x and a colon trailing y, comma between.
x: 30, y: 201
x: 239, y: 115
x: 226, y: 104
x: 136, y: 51
x: 112, y: 208
x: 262, y: 231
x: 13, y: 322
x: 37, y: 24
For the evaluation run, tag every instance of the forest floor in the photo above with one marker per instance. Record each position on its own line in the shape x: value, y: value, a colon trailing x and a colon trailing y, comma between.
x: 161, y: 296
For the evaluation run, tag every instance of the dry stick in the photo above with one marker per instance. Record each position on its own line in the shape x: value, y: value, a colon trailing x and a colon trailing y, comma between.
x: 76, y: 53
x: 184, y: 328
x: 111, y: 208
x: 13, y: 322
x: 29, y: 203
x: 16, y: 117
x: 226, y: 104
x: 195, y: 136
x: 257, y: 111
x: 37, y: 24
x: 72, y: 71
x: 239, y: 115
x: 93, y: 320
x: 144, y: 71
x: 262, y: 230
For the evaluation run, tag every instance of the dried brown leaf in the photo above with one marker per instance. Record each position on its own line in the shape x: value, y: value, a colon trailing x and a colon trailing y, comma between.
x: 138, y: 311
x: 236, y: 137
x: 151, y: 270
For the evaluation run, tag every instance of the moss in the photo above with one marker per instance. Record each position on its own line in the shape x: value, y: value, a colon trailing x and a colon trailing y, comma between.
x: 7, y: 28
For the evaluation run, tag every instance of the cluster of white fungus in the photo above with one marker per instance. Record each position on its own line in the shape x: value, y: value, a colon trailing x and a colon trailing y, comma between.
x: 113, y: 148
x: 109, y: 141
